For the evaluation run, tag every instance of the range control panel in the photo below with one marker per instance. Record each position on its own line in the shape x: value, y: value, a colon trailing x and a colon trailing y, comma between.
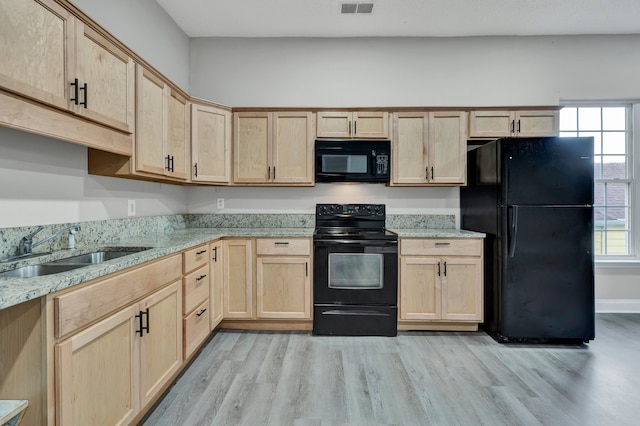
x: 346, y: 210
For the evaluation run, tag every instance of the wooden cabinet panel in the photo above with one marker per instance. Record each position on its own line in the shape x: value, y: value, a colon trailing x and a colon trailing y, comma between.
x: 161, y: 343
x: 410, y: 147
x: 216, y: 295
x: 195, y: 258
x: 79, y: 308
x: 177, y: 145
x: 358, y: 124
x: 109, y: 75
x: 196, y: 328
x: 514, y: 123
x: 292, y: 151
x: 462, y: 289
x: 151, y: 123
x: 448, y: 147
x: 283, y: 246
x: 251, y: 142
x: 420, y: 292
x: 283, y: 287
x: 238, y: 279
x: 195, y: 288
x: 42, y: 33
x: 97, y: 372
x: 210, y: 144
x: 441, y: 280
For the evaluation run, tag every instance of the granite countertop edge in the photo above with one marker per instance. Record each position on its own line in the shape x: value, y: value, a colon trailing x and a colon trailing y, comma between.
x: 14, y: 291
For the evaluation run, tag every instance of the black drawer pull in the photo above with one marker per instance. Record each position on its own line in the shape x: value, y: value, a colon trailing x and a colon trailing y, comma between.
x: 201, y: 277
x: 201, y: 312
x: 443, y: 244
x: 281, y: 243
x: 201, y: 251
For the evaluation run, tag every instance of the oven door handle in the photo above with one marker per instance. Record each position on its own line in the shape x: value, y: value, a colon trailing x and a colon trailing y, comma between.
x: 358, y: 242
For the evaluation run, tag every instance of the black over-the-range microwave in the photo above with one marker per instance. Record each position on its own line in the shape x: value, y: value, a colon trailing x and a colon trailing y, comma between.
x: 352, y: 160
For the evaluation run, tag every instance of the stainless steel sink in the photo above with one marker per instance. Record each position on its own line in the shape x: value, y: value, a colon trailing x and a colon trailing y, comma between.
x: 97, y: 257
x: 38, y: 270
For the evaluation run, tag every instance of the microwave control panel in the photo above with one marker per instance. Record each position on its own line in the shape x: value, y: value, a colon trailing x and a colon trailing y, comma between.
x: 382, y: 164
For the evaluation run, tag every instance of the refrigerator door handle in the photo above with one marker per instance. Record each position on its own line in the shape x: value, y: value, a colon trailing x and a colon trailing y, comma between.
x: 513, y: 229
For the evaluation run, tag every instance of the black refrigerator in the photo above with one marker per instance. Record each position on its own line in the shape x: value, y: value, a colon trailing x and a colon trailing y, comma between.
x: 533, y: 198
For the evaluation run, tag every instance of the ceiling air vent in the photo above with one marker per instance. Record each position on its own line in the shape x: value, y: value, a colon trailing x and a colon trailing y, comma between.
x: 353, y: 8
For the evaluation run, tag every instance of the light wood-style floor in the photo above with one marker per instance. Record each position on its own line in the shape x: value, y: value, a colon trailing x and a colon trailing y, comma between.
x: 417, y: 378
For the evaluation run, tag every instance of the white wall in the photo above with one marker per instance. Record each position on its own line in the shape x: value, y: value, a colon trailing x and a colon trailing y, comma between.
x: 146, y: 28
x: 45, y: 181
x: 480, y: 71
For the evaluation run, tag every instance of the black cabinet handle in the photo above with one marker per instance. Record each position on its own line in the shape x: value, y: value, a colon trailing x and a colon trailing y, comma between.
x: 269, y: 173
x: 443, y: 244
x: 215, y: 254
x: 200, y: 252
x: 306, y: 269
x: 355, y: 127
x: 431, y: 172
x: 518, y: 126
x: 201, y: 312
x: 426, y: 173
x: 74, y: 84
x: 86, y: 95
x: 146, y: 313
x: 140, y: 323
x: 438, y: 268
x: 281, y: 243
x: 274, y: 172
x: 513, y: 126
x: 168, y: 164
x: 201, y: 277
x: 445, y: 269
x: 195, y: 169
x: 171, y: 164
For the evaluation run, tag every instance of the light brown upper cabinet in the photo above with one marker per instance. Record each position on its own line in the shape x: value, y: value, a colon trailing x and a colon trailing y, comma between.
x: 514, y: 123
x: 162, y: 128
x: 429, y: 148
x: 52, y: 57
x: 356, y: 124
x: 273, y: 148
x: 210, y: 144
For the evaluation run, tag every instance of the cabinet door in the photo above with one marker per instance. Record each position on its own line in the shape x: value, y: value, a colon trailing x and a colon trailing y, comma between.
x: 537, y: 123
x: 283, y: 287
x: 409, y: 148
x: 216, y: 291
x: 447, y: 147
x: 490, y: 124
x: 37, y: 43
x: 371, y: 124
x: 177, y: 148
x: 420, y: 288
x: 151, y: 123
x: 238, y: 279
x: 161, y: 342
x: 96, y: 373
x: 334, y: 124
x: 251, y: 141
x: 292, y: 149
x: 210, y: 144
x: 462, y: 288
x: 109, y: 74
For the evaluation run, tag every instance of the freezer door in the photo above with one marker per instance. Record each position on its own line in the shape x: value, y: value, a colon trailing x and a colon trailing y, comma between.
x: 547, y: 288
x: 547, y: 171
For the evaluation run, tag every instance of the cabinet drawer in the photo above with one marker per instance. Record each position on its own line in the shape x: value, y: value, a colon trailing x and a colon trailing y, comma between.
x: 78, y: 308
x: 196, y: 289
x: 196, y: 328
x: 441, y: 246
x: 195, y: 258
x: 288, y: 246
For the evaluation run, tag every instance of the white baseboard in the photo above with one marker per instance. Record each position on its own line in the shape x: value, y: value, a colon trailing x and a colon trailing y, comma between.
x: 618, y: 306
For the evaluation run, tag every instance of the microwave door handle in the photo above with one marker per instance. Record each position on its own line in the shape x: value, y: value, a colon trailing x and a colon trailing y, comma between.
x: 328, y: 174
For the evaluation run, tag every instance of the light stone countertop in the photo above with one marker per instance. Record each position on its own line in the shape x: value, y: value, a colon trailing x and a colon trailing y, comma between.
x: 14, y: 291
x: 11, y: 410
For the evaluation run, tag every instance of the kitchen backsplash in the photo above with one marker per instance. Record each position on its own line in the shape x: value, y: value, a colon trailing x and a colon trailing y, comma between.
x: 95, y: 232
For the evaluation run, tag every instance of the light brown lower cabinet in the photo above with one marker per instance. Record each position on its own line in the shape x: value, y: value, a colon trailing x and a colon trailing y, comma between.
x: 238, y: 279
x: 440, y: 283
x: 108, y: 372
x: 216, y: 291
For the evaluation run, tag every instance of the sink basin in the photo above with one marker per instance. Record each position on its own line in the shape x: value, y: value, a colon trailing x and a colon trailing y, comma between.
x: 38, y: 270
x: 97, y: 256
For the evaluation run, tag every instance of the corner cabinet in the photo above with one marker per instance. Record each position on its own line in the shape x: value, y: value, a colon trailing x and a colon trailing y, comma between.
x: 210, y: 144
x: 441, y: 284
x: 273, y: 148
x: 283, y: 283
x: 353, y: 124
x: 513, y: 123
x: 429, y: 148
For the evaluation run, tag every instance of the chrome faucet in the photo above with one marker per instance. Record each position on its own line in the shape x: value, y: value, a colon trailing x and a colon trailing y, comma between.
x: 27, y: 244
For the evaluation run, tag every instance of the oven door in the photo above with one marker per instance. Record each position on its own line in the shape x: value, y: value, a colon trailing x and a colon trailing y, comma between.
x: 355, y: 272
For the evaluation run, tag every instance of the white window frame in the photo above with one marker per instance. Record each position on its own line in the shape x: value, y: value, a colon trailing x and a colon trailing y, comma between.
x: 633, y: 167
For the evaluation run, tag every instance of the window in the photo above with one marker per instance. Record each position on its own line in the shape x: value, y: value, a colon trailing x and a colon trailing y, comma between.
x: 610, y: 126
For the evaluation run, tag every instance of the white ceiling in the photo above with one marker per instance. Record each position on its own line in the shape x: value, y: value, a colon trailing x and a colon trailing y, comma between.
x: 409, y: 18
